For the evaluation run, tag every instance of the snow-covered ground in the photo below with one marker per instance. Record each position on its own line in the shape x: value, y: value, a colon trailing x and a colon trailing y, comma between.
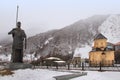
x: 82, y: 52
x: 33, y: 74
x: 28, y: 57
x: 4, y: 57
x: 44, y: 74
x: 94, y: 75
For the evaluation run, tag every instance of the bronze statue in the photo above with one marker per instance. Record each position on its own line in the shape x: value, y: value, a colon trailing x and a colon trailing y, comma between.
x: 19, y: 37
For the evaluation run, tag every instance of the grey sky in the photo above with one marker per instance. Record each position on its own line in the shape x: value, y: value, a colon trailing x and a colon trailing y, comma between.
x: 41, y: 15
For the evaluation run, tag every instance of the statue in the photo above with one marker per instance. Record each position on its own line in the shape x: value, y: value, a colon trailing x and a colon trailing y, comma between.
x: 19, y: 37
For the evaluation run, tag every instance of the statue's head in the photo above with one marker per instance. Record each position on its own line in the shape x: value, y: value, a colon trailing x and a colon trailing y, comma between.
x: 18, y: 24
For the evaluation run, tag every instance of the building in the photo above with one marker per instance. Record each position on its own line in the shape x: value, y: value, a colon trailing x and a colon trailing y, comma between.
x: 117, y: 46
x: 117, y: 53
x: 102, y: 52
x: 76, y: 61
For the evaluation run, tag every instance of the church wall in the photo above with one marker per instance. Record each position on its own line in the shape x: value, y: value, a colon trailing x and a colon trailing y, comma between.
x: 106, y: 59
x: 100, y: 43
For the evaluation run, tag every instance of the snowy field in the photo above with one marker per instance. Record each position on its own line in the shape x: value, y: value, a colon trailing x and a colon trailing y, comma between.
x: 44, y: 74
x: 95, y: 75
x: 33, y: 74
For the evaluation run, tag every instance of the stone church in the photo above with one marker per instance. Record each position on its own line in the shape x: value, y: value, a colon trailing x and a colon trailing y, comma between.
x: 102, y: 52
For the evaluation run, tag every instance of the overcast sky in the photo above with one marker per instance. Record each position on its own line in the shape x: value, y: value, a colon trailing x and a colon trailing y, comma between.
x: 42, y: 15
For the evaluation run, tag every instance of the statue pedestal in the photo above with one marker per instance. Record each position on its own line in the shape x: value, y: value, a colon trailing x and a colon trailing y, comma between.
x: 15, y: 66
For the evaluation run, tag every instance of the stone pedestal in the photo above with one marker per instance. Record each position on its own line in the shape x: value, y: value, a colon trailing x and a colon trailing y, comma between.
x: 15, y: 66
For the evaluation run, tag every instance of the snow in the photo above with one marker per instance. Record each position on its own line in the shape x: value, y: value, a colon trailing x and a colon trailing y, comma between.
x: 59, y: 61
x: 83, y: 52
x: 53, y: 58
x: 45, y: 74
x: 29, y: 57
x: 77, y: 52
x: 111, y: 28
x: 47, y: 41
x: 4, y: 57
x: 0, y: 46
x: 70, y: 49
x: 33, y: 74
x: 94, y: 75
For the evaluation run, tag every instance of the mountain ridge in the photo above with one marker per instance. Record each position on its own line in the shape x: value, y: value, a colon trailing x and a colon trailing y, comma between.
x: 78, y: 34
x: 68, y: 38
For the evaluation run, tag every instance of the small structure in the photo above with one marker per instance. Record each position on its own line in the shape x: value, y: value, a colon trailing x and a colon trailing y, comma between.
x: 76, y: 60
x: 60, y: 63
x: 53, y: 58
x: 102, y: 53
x: 117, y: 53
x: 50, y: 61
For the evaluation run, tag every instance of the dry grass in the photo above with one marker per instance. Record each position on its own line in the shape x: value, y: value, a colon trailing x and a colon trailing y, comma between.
x: 6, y: 72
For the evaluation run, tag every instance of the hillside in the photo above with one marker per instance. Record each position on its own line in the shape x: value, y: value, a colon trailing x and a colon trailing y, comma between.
x: 79, y: 34
x: 68, y: 38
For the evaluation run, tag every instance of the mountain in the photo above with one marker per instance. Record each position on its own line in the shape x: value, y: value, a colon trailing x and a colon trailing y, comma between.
x: 67, y: 39
x: 111, y: 28
x: 77, y: 35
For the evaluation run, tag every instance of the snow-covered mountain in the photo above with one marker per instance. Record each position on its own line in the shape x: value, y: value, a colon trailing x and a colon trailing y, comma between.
x: 77, y: 35
x: 68, y: 38
x: 111, y: 28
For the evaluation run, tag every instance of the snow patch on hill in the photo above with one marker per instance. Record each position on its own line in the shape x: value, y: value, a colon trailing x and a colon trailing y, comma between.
x: 83, y: 51
x: 47, y: 41
x: 0, y: 46
x: 111, y: 28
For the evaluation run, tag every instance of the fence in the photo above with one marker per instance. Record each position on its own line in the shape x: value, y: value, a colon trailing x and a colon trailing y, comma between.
x: 101, y: 63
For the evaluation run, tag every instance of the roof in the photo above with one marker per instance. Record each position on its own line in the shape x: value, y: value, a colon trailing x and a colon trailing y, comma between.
x: 59, y: 61
x: 110, y: 44
x: 100, y: 36
x: 117, y: 44
x: 53, y: 58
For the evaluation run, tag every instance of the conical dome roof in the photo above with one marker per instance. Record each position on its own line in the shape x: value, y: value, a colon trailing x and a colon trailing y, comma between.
x: 100, y: 36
